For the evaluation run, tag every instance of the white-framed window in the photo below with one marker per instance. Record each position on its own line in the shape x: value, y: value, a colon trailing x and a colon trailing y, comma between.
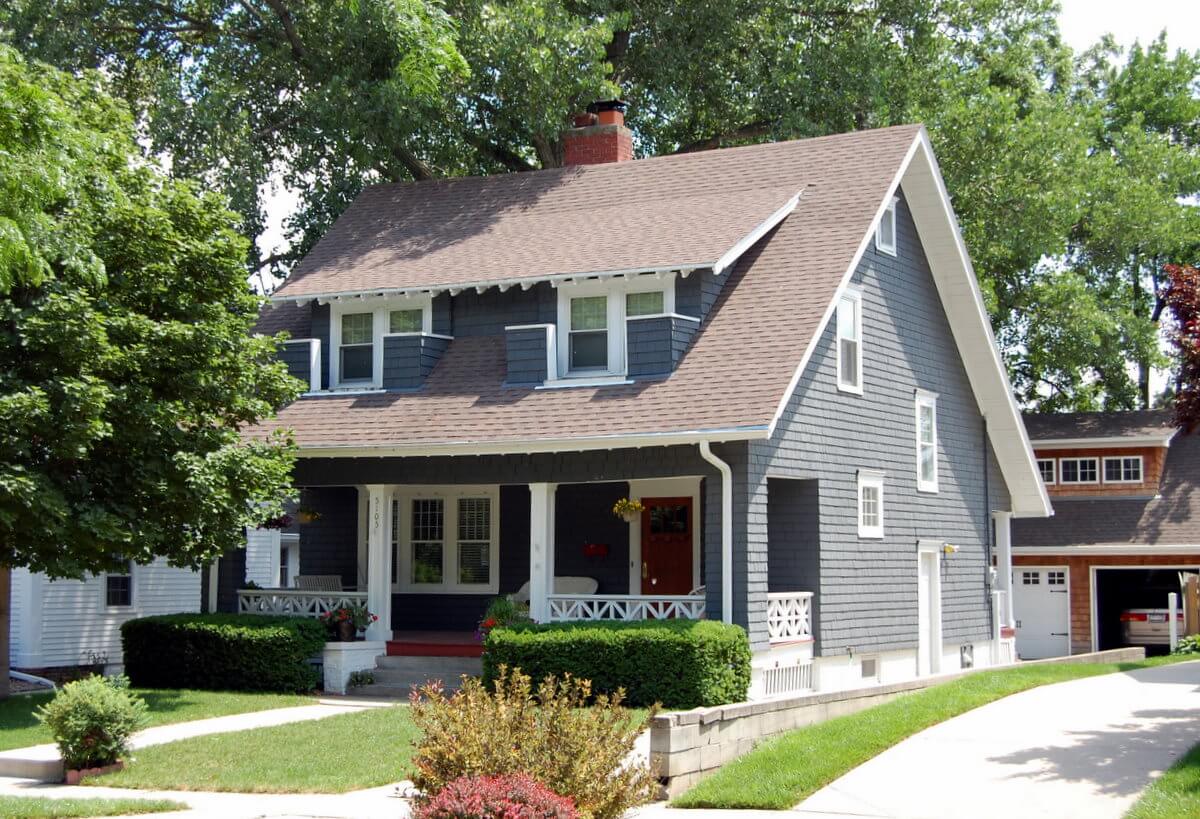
x: 1046, y: 468
x: 118, y: 588
x: 289, y: 559
x: 870, y: 503
x: 927, y: 471
x: 1056, y: 578
x: 1031, y: 578
x: 1123, y: 469
x: 885, y: 234
x: 591, y: 320
x: 1078, y: 470
x: 447, y: 540
x: 356, y: 331
x: 849, y: 342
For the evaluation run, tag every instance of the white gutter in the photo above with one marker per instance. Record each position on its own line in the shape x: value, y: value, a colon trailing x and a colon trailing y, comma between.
x: 1103, y: 443
x: 726, y: 530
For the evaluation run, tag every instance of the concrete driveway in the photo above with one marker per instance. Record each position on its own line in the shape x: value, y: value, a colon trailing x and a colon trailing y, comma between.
x: 1078, y: 749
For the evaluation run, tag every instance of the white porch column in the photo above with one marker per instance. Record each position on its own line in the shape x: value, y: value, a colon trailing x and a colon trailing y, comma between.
x: 379, y: 561
x: 1004, y: 565
x: 541, y: 549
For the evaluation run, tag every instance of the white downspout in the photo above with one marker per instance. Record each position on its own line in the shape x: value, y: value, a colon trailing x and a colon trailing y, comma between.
x: 726, y: 530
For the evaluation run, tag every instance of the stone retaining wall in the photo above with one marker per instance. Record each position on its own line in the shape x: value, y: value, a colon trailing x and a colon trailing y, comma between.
x: 686, y: 746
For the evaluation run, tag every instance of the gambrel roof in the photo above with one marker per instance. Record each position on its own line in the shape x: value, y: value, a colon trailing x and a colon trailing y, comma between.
x: 692, y: 210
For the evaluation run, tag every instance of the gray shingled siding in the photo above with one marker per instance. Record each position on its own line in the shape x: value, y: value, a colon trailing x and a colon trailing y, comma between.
x: 525, y: 351
x: 868, y: 599
x: 488, y: 313
x: 231, y: 576
x: 329, y: 545
x: 440, y: 321
x: 794, y: 535
x: 695, y: 295
x: 295, y: 356
x: 408, y: 359
x: 655, y: 345
x: 583, y: 514
x: 320, y: 330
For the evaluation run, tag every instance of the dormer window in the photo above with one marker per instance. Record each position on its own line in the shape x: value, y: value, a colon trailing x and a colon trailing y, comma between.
x: 1123, y: 469
x: 649, y: 303
x: 588, y: 339
x: 592, y: 315
x: 885, y: 234
x: 356, y: 351
x: 406, y: 321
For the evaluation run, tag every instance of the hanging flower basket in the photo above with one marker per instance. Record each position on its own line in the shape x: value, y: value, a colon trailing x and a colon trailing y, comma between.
x: 628, y: 510
x: 306, y: 514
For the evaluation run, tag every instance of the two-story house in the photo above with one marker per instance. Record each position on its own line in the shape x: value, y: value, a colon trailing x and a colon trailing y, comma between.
x: 780, y: 350
x: 1126, y: 493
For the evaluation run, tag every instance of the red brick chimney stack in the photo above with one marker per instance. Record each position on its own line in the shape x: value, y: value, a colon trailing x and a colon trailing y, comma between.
x: 599, y: 136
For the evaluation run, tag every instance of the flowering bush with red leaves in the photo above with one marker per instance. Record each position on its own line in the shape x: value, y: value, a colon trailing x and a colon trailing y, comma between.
x: 1183, y: 299
x: 515, y: 796
x: 358, y: 615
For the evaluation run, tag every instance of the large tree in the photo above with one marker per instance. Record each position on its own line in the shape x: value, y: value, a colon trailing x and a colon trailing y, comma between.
x: 1070, y: 175
x: 127, y: 365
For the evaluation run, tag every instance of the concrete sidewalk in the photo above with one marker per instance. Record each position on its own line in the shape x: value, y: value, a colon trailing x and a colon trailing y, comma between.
x: 42, y: 762
x: 1085, y: 748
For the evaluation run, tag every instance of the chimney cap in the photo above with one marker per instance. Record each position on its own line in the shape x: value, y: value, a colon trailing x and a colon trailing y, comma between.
x: 607, y: 105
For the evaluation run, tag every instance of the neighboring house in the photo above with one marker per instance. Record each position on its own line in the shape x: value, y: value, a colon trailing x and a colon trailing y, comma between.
x: 57, y: 623
x: 1126, y: 493
x: 781, y: 350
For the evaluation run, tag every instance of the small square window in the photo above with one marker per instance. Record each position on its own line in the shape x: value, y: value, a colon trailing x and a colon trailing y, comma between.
x: 1031, y: 578
x: 644, y: 304
x: 870, y: 668
x: 1056, y: 578
x: 885, y: 234
x: 405, y: 321
x: 870, y: 505
x: 1046, y: 469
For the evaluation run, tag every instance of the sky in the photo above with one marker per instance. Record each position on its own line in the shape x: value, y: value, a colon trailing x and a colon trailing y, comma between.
x: 1083, y: 22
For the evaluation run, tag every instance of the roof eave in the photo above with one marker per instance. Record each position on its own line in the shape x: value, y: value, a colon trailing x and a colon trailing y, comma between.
x: 1105, y: 442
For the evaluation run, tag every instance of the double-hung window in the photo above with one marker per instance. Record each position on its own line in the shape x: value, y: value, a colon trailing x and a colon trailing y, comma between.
x: 927, y: 472
x: 446, y: 541
x: 870, y: 504
x: 1078, y: 470
x: 1123, y: 469
x: 885, y: 234
x: 588, y: 336
x: 849, y: 342
x: 356, y: 352
x: 118, y: 587
x: 1047, y: 470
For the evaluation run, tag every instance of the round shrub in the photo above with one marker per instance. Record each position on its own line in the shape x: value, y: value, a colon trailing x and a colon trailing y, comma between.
x: 516, y: 796
x: 223, y: 652
x: 92, y: 720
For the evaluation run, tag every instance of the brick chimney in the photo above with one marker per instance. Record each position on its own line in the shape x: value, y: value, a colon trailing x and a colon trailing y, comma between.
x: 599, y: 136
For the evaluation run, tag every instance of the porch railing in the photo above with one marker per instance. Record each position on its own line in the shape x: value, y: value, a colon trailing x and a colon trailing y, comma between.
x: 296, y: 602
x: 789, y: 616
x: 625, y: 607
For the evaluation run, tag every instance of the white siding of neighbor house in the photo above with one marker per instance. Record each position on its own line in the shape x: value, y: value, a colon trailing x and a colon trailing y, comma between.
x: 58, y: 622
x: 262, y: 557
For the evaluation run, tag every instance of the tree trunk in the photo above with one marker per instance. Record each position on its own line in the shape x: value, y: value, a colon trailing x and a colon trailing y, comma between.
x: 5, y: 599
x: 1143, y: 365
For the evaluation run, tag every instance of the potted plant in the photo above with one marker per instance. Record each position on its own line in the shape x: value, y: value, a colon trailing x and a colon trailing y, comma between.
x: 306, y: 514
x: 628, y: 510
x: 501, y: 612
x: 347, y: 621
x: 279, y: 522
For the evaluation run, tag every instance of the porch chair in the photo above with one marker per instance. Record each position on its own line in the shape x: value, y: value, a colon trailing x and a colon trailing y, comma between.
x: 562, y: 585
x: 319, y: 582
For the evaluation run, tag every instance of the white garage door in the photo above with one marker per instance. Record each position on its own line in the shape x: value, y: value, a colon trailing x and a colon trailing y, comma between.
x: 1042, y: 608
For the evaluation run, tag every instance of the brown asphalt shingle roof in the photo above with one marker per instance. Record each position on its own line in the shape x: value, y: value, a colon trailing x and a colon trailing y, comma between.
x: 739, y: 365
x: 1172, y: 518
x: 1050, y: 426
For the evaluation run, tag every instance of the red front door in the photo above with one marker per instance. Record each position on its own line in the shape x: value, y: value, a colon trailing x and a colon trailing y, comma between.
x: 667, y: 546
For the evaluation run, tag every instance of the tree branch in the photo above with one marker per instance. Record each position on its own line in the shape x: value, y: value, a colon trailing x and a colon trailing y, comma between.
x: 750, y: 131
x: 299, y: 52
x: 498, y: 153
x: 416, y: 167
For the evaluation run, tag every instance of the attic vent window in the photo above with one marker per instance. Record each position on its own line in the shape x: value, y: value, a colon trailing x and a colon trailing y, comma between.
x: 885, y: 234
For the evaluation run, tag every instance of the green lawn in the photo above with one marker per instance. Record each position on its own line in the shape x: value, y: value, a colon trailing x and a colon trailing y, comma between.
x: 785, y: 770
x: 38, y: 807
x: 19, y: 727
x: 1176, y: 795
x: 331, y: 755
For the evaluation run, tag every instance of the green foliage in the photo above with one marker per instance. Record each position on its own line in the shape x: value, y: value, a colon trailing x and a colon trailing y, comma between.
x: 677, y: 663
x: 230, y: 652
x: 1187, y: 645
x: 92, y: 720
x: 1175, y: 794
x: 358, y: 679
x: 560, y: 735
x: 127, y: 365
x: 49, y: 807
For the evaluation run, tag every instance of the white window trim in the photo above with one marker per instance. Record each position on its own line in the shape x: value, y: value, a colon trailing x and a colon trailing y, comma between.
x: 289, y: 542
x: 889, y: 214
x: 1141, y: 468
x: 615, y: 289
x: 855, y: 296
x: 869, y: 478
x: 380, y: 327
x: 449, y: 495
x: 133, y: 587
x: 927, y: 399
x: 1053, y: 467
x: 1062, y: 478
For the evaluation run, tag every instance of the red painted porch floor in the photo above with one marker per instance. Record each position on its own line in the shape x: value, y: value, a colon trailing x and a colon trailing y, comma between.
x: 434, y: 644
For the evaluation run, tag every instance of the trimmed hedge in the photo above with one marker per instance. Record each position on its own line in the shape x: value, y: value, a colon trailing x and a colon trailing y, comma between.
x: 677, y: 663
x: 223, y: 652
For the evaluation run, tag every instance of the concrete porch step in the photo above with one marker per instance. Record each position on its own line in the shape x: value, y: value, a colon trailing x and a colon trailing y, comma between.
x: 438, y: 665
